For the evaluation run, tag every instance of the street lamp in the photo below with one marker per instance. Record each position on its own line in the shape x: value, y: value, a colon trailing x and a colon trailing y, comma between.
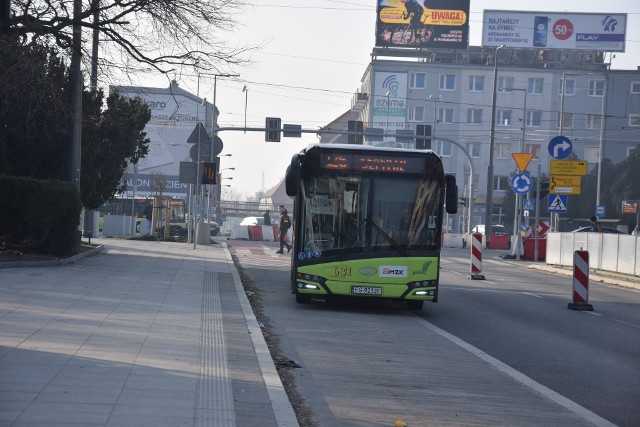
x: 488, y: 219
x: 517, y: 216
x: 246, y: 96
x: 435, y: 100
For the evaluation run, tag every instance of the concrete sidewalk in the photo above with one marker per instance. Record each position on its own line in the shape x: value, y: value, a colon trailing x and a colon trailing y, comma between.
x: 141, y: 334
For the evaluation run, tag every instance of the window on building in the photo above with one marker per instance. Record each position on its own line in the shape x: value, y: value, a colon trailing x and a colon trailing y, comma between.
x: 417, y: 80
x: 447, y: 82
x: 534, y: 118
x: 416, y: 113
x: 634, y: 119
x: 442, y: 148
x: 635, y: 87
x: 596, y: 87
x: 474, y: 115
x: 533, y: 149
x: 535, y: 86
x: 505, y: 84
x: 502, y: 150
x: 567, y: 123
x: 500, y: 183
x: 503, y: 117
x: 592, y: 154
x: 630, y: 149
x: 570, y: 90
x: 593, y: 121
x: 476, y: 83
x: 473, y: 148
x: 445, y: 115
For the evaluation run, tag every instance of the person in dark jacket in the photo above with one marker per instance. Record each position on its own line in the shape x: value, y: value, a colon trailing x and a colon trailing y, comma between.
x: 267, y: 217
x: 285, y: 224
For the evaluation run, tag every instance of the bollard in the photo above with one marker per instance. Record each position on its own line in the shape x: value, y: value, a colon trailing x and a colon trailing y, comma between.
x: 476, y: 257
x: 580, y: 282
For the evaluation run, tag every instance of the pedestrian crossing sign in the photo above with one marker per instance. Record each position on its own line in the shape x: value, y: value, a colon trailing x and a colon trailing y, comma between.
x: 528, y: 204
x: 557, y: 203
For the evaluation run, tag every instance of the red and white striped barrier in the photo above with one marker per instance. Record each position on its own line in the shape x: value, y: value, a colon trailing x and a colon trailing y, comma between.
x: 476, y: 257
x: 580, y: 282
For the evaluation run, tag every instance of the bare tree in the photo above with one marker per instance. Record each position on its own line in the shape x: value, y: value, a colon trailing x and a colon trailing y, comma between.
x: 139, y: 35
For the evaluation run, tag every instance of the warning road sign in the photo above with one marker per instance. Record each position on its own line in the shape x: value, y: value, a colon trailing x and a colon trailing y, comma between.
x: 557, y: 203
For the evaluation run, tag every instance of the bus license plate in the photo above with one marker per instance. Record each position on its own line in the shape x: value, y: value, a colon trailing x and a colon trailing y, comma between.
x: 365, y: 290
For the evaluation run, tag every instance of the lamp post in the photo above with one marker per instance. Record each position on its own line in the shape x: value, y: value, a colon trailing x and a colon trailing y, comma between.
x: 246, y: 97
x: 488, y: 219
x: 517, y: 216
x: 435, y: 100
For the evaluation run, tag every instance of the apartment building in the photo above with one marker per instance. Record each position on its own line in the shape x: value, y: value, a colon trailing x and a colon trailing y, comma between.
x: 539, y: 94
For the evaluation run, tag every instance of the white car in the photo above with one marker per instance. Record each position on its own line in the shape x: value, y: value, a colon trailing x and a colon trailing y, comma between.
x: 255, y: 220
x: 495, y: 229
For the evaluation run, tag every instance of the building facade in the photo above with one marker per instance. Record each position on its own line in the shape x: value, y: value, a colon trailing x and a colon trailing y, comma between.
x: 452, y: 91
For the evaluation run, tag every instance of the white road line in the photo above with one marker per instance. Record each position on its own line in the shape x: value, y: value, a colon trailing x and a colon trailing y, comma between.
x: 533, y: 295
x: 570, y: 405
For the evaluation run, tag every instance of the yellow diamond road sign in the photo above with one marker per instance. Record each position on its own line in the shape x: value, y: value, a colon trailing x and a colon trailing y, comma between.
x: 522, y: 160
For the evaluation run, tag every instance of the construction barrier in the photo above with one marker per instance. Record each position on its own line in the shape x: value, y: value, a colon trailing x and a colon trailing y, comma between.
x: 268, y: 233
x: 499, y: 241
x: 255, y: 232
x: 476, y: 257
x: 530, y: 246
x: 580, y: 282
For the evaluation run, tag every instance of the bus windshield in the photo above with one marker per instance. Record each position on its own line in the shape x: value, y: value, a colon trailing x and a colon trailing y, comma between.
x: 370, y: 213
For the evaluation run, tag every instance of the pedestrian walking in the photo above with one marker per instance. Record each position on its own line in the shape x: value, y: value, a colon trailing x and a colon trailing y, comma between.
x: 595, y: 225
x: 267, y: 217
x: 285, y: 224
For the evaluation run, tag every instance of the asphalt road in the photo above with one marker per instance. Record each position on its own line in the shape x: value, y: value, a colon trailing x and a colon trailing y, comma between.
x: 505, y: 350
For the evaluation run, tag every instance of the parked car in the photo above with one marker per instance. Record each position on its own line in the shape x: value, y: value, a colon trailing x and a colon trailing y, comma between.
x: 604, y: 230
x: 495, y: 229
x: 255, y: 220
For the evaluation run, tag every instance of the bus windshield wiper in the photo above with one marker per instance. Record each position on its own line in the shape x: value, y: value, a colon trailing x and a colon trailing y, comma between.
x: 386, y: 236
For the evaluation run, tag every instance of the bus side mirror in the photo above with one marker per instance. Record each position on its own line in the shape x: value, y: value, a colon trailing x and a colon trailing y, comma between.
x: 451, y: 194
x: 292, y: 176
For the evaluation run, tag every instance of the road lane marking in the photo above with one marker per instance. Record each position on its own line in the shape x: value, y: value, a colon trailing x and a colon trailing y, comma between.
x: 570, y: 405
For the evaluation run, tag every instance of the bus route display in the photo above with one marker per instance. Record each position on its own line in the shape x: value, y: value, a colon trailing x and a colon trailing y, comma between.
x: 372, y: 163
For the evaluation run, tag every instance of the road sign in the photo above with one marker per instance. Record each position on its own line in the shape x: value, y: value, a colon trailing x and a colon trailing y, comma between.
x: 529, y: 204
x: 521, y: 183
x: 560, y: 147
x: 543, y: 227
x: 522, y: 160
x: 199, y: 135
x: 568, y: 167
x: 557, y: 203
x: 564, y: 184
x: 600, y: 211
x: 630, y: 206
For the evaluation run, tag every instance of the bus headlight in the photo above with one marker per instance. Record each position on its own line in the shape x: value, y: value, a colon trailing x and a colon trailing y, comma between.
x: 307, y: 286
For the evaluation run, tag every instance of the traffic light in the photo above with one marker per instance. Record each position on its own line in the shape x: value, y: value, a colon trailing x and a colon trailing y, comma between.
x: 463, y: 201
x: 544, y: 190
x: 423, y: 143
x: 355, y: 126
x: 209, y: 173
x: 272, y: 132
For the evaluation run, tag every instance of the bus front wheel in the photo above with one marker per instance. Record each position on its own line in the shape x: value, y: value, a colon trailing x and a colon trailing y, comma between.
x: 303, y: 299
x: 415, y: 305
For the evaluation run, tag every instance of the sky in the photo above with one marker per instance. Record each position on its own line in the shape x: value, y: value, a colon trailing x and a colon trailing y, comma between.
x: 310, y: 65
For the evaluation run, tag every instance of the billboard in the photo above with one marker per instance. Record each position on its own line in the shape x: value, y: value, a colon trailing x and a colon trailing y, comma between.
x: 389, y: 101
x: 438, y: 24
x: 555, y: 30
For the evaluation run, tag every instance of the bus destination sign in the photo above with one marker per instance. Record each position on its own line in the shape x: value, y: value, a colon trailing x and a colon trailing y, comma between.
x: 372, y: 163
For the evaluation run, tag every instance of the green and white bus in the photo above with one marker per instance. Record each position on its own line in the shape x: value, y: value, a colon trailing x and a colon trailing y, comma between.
x: 368, y: 222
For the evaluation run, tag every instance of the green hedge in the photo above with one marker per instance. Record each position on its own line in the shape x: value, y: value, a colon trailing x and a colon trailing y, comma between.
x: 39, y: 215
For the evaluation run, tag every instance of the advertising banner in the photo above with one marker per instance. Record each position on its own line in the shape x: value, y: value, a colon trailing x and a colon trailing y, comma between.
x: 555, y: 30
x: 439, y: 24
x: 390, y: 101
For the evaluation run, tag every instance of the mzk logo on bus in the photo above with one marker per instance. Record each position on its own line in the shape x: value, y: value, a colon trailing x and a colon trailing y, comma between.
x: 393, y: 271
